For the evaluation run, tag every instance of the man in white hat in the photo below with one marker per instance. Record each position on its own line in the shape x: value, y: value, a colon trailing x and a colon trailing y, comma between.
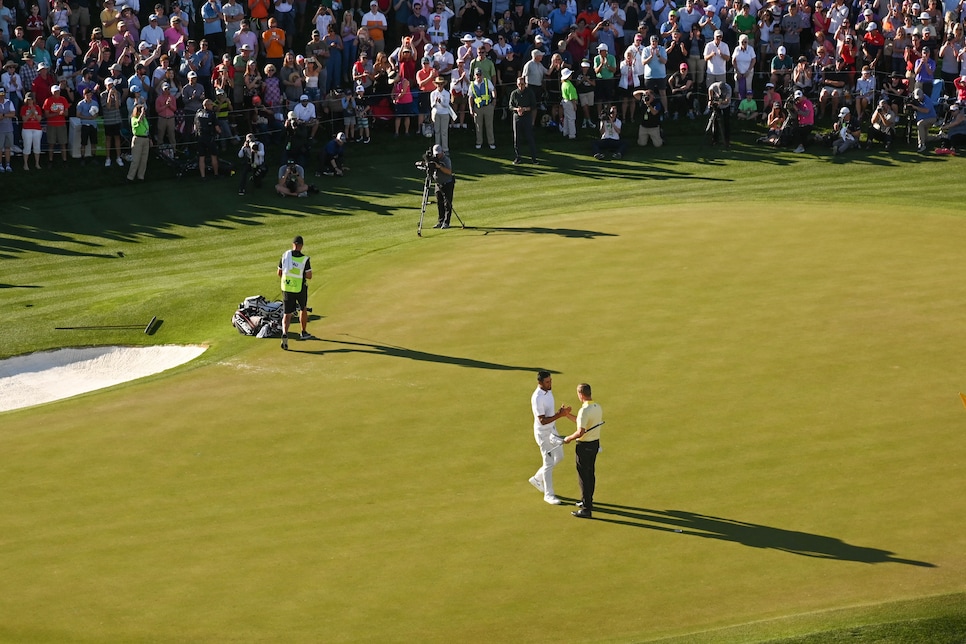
x: 717, y: 54
x: 375, y: 21
x: 568, y: 102
x: 605, y: 67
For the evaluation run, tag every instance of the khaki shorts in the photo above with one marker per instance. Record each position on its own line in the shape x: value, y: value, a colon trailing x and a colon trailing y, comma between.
x: 56, y: 135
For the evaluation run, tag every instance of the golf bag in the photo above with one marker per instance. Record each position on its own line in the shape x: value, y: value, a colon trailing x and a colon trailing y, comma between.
x: 257, y: 316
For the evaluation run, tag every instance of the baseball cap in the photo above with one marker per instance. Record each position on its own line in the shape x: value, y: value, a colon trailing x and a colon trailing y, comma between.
x: 478, y: 72
x: 41, y: 66
x: 3, y: 90
x: 304, y: 97
x: 246, y: 47
x: 782, y: 50
x: 872, y: 27
x: 769, y: 84
x: 437, y: 149
x: 143, y: 44
x: 602, y: 47
x: 298, y: 238
x: 799, y: 94
x: 109, y: 81
x: 844, y: 112
x: 163, y: 87
x: 153, y: 16
x: 585, y: 63
x: 192, y: 74
x: 137, y: 88
x: 340, y: 137
x: 719, y: 34
x: 361, y: 90
x: 426, y: 60
x: 55, y: 88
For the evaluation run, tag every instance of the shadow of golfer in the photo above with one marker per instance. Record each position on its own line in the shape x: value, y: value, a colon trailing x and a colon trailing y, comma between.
x: 747, y: 534
x: 412, y: 354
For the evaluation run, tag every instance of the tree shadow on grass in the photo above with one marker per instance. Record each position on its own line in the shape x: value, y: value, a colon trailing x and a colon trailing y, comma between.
x: 747, y: 534
x: 393, y: 351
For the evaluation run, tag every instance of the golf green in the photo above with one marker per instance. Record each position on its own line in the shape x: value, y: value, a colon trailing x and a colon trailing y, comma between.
x: 783, y: 440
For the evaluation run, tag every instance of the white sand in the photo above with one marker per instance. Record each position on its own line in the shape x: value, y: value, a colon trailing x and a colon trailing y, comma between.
x: 52, y: 375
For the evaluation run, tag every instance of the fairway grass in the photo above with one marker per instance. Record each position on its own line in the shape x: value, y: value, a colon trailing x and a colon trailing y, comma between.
x: 783, y: 451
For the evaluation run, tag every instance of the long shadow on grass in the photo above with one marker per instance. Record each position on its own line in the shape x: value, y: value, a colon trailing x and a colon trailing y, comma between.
x: 393, y: 351
x: 570, y: 233
x: 747, y: 534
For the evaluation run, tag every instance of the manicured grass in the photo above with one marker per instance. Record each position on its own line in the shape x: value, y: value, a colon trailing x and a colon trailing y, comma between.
x: 773, y: 340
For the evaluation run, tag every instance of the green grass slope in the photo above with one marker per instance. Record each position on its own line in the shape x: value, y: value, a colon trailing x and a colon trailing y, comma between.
x: 776, y: 354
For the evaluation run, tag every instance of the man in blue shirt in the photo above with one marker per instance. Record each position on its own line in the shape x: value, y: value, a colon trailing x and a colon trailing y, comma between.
x: 925, y: 116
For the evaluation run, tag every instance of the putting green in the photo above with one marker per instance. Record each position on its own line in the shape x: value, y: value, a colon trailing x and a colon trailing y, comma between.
x: 783, y: 439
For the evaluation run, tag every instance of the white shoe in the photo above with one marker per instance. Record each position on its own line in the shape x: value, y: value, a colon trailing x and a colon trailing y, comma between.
x: 800, y: 149
x: 107, y: 164
x: 552, y: 500
x: 120, y: 162
x: 537, y: 484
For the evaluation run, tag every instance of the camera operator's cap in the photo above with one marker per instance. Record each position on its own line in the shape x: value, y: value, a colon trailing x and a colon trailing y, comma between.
x: 844, y: 112
x: 585, y: 63
x: 304, y: 97
x: 954, y: 107
x: 799, y: 93
x: 437, y: 149
x: 782, y: 51
x: 565, y: 74
x: 602, y: 47
x: 872, y: 27
x: 298, y: 238
x: 340, y: 137
x: 918, y: 95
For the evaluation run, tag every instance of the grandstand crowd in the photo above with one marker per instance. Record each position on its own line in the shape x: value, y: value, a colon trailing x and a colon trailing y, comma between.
x: 192, y: 79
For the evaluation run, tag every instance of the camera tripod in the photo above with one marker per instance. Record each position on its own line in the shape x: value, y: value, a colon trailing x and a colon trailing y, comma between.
x: 422, y: 165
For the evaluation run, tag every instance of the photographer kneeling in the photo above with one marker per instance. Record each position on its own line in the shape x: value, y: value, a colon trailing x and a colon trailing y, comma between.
x: 291, y: 180
x: 442, y: 168
x: 332, y: 156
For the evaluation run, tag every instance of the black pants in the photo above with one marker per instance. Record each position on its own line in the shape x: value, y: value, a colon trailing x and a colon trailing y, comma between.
x: 523, y: 131
x: 586, y: 455
x: 248, y: 170
x: 719, y: 126
x: 444, y: 201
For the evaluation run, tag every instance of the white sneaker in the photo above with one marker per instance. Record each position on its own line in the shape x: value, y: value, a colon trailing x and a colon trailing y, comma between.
x: 107, y: 164
x: 800, y: 149
x: 537, y: 484
x: 120, y: 162
x: 552, y: 500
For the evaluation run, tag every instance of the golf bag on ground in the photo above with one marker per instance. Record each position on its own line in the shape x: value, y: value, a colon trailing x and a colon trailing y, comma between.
x: 257, y: 316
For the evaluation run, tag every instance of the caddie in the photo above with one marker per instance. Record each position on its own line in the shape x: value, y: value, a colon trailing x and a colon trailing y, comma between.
x: 295, y: 269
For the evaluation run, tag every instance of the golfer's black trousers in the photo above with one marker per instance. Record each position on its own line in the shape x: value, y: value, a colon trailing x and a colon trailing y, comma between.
x: 586, y: 454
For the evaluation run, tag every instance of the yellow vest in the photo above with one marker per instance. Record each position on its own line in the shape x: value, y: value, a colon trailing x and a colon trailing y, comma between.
x: 292, y: 275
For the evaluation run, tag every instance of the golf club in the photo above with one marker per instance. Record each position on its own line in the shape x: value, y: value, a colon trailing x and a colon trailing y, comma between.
x: 557, y: 439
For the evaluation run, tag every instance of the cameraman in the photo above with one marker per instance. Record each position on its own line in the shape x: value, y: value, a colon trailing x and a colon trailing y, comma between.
x: 719, y: 104
x: 442, y: 168
x: 924, y: 114
x: 649, y: 118
x: 291, y: 180
x: 610, y: 135
x: 253, y: 152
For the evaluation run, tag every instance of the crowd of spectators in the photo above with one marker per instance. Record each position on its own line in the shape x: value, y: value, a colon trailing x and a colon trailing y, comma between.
x: 280, y: 69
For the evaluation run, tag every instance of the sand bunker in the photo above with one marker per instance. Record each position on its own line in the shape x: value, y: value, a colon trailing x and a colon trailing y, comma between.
x: 52, y: 375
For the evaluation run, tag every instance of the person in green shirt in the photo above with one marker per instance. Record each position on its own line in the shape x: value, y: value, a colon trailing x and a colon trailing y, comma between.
x: 568, y: 101
x: 140, y: 143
